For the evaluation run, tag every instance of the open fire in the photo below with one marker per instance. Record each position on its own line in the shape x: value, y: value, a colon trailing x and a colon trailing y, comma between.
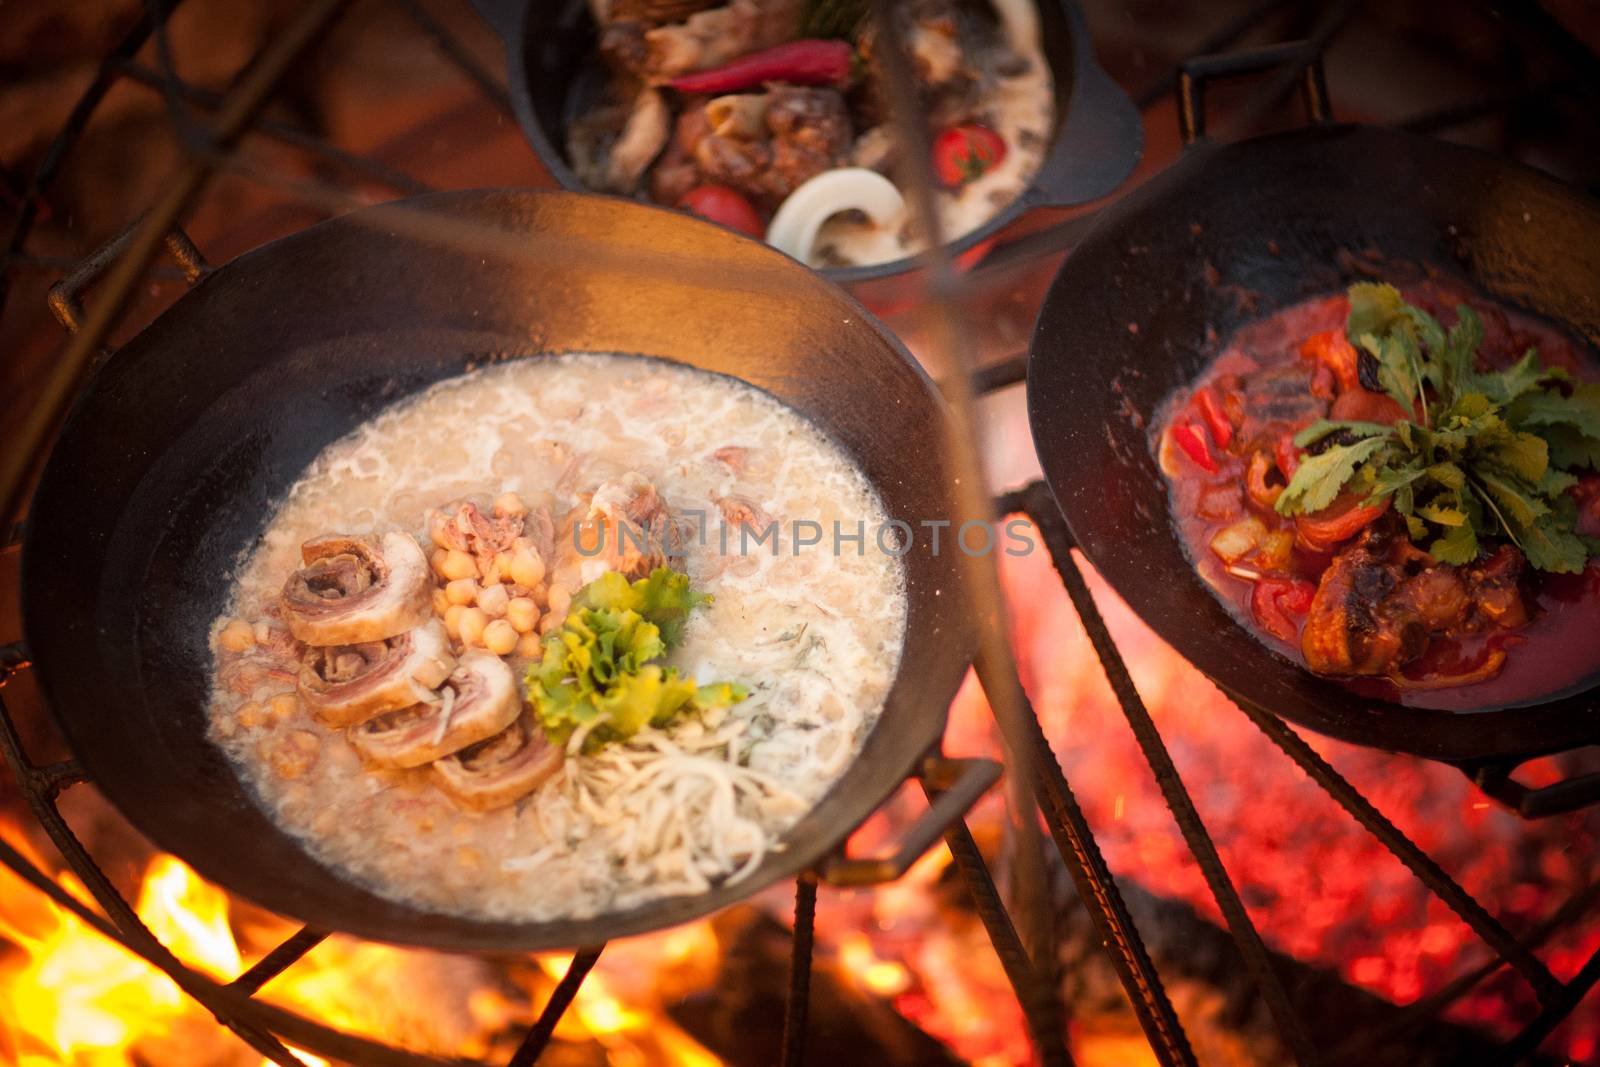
x: 907, y: 963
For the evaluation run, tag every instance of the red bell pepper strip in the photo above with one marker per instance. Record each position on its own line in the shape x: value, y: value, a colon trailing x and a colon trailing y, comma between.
x: 1277, y: 602
x: 1287, y: 455
x: 1205, y: 399
x: 811, y: 61
x: 1193, y: 442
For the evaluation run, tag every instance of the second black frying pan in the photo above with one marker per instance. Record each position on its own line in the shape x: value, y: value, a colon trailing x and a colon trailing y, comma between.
x: 172, y: 461
x: 1231, y: 234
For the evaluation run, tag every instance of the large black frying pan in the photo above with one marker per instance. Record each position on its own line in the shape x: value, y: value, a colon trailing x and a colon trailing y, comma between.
x: 554, y: 75
x: 171, y: 462
x: 1136, y: 312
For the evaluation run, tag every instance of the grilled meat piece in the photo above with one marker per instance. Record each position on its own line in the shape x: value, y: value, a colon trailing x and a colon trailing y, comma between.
x: 344, y: 685
x: 804, y: 132
x: 501, y: 770
x: 476, y: 702
x: 1382, y: 600
x: 357, y: 589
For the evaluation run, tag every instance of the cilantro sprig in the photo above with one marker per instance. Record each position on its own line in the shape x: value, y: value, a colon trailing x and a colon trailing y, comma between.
x: 598, y: 668
x: 1491, y: 454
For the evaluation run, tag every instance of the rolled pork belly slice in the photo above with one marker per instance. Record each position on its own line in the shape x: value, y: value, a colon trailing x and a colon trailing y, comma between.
x: 357, y: 589
x: 477, y: 701
x: 501, y: 770
x: 344, y: 685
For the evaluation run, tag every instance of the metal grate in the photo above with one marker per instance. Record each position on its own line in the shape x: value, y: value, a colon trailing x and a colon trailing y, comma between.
x: 266, y: 1027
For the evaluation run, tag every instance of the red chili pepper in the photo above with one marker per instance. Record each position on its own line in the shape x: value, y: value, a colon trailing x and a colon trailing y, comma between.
x: 1205, y: 398
x: 811, y: 61
x: 1277, y: 602
x: 1193, y: 442
x: 1287, y: 455
x: 966, y: 153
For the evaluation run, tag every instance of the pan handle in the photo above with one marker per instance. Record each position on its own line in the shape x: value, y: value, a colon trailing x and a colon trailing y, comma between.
x: 504, y: 17
x: 955, y: 785
x: 1569, y: 794
x: 1193, y: 75
x: 66, y: 296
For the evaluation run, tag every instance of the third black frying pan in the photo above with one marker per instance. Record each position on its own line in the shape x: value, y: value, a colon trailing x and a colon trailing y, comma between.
x: 554, y: 73
x: 1231, y: 234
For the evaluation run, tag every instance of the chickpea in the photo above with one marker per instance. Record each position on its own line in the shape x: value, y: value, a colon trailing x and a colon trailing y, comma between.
x: 437, y: 559
x: 250, y: 715
x: 527, y: 568
x: 500, y: 638
x: 560, y: 600
x: 441, y: 603
x: 461, y: 591
x: 540, y: 595
x: 237, y: 636
x: 283, y: 706
x: 502, y: 565
x: 509, y: 504
x: 530, y: 647
x: 522, y: 614
x: 492, y: 574
x: 452, y: 620
x: 550, y: 623
x: 472, y: 624
x: 458, y: 565
x: 493, y: 600
x: 294, y: 755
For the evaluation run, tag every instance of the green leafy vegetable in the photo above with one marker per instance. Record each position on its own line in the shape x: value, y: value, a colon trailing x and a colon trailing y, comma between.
x: 1491, y: 455
x: 598, y: 671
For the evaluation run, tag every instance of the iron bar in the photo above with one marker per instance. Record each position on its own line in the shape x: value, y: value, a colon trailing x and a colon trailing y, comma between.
x: 1041, y: 509
x: 1554, y: 1013
x: 284, y: 132
x: 1434, y: 1004
x: 240, y: 105
x: 315, y: 1037
x: 44, y: 176
x: 1433, y: 876
x: 148, y: 947
x: 797, y: 1007
x: 544, y: 1028
x: 1041, y: 1004
x: 280, y: 959
x: 446, y: 42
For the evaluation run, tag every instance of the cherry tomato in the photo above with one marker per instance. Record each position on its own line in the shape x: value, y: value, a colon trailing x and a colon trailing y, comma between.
x: 1363, y: 405
x: 718, y: 203
x: 965, y: 153
x: 1192, y: 440
x: 1210, y: 408
x: 1277, y: 602
x: 1339, y: 521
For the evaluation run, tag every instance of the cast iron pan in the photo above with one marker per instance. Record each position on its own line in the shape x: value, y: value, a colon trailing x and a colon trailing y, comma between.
x: 553, y: 74
x: 1132, y: 315
x: 173, y: 458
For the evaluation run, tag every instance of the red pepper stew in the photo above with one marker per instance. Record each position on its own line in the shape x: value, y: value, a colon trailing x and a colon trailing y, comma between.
x: 1226, y: 446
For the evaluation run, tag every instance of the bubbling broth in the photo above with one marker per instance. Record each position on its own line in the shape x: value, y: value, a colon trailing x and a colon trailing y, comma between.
x: 812, y: 634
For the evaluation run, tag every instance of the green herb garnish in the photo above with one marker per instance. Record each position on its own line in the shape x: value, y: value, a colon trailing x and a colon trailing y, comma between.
x: 1490, y: 454
x: 598, y: 667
